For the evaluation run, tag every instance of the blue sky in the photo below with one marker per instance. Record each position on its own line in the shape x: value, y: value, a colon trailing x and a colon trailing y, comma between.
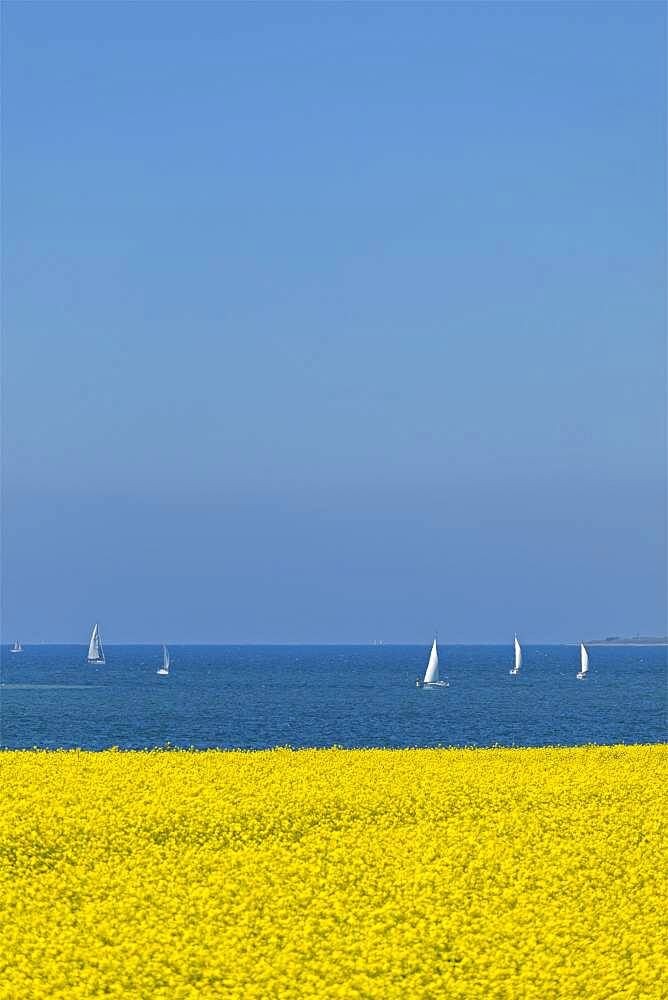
x: 334, y: 322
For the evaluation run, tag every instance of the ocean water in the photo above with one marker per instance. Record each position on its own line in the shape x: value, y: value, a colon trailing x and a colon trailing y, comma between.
x: 254, y: 697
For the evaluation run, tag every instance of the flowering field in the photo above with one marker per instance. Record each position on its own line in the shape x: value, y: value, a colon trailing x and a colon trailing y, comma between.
x: 332, y: 874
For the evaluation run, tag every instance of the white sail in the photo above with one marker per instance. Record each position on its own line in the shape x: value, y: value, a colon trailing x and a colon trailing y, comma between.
x: 584, y: 659
x: 17, y: 647
x: 92, y: 646
x: 164, y: 669
x: 518, y: 655
x: 95, y: 651
x: 431, y: 674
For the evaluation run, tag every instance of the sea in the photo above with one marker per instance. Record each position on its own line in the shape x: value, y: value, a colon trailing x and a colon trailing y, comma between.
x: 257, y: 697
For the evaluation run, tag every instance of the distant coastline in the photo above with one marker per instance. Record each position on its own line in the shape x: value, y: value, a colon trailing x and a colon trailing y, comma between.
x: 637, y: 640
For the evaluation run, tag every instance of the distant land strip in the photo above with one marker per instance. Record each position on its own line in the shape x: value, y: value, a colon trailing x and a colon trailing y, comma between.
x: 637, y: 640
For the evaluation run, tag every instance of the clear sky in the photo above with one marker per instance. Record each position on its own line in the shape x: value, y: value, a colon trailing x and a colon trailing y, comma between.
x: 334, y: 322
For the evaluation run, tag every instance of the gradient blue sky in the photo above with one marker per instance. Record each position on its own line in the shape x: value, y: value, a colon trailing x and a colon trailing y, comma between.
x: 334, y: 322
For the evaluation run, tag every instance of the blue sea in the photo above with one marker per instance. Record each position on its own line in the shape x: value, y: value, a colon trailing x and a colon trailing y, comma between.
x: 254, y: 697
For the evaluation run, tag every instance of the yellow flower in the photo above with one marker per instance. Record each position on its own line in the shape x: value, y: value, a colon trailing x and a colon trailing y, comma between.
x: 333, y: 874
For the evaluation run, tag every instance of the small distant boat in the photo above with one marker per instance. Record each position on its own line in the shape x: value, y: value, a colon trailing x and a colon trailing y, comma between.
x: 432, y: 675
x: 17, y: 647
x: 95, y: 649
x: 164, y: 669
x: 584, y: 663
x: 518, y: 657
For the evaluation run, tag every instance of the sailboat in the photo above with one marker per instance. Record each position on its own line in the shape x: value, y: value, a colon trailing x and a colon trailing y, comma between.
x: 95, y: 650
x: 431, y: 677
x: 17, y: 647
x: 584, y: 663
x: 164, y: 669
x: 518, y: 657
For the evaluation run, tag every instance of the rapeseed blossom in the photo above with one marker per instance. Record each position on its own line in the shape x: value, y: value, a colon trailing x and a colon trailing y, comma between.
x: 332, y: 874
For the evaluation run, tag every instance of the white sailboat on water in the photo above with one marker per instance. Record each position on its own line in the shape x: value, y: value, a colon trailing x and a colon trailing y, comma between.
x: 584, y: 662
x: 164, y: 669
x: 518, y: 657
x: 432, y: 674
x: 17, y: 647
x: 95, y: 649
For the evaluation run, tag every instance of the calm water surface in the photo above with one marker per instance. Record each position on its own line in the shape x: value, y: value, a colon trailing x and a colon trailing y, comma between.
x: 316, y: 696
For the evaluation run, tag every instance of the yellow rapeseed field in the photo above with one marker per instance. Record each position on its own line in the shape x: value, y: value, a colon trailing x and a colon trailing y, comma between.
x: 325, y: 874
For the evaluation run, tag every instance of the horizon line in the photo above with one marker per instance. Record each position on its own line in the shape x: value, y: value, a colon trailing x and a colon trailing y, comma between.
x: 621, y: 641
